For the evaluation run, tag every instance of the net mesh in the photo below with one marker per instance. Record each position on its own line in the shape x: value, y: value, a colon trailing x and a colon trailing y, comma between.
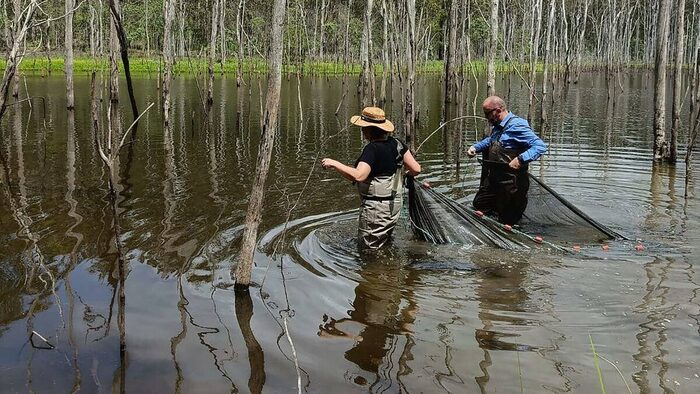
x: 548, y: 220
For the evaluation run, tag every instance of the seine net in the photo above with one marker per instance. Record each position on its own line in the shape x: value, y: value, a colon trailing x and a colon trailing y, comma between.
x: 549, y: 219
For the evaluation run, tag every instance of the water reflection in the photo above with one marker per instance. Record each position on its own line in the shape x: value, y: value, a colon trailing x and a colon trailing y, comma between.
x: 256, y: 356
x: 384, y: 310
x: 413, y: 319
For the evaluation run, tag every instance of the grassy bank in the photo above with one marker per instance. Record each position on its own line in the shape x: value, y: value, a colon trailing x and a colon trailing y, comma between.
x: 142, y: 65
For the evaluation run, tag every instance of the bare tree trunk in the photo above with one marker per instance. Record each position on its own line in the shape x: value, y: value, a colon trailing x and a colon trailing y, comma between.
x: 677, y: 80
x: 148, y: 37
x: 93, y: 32
x: 70, y: 101
x: 14, y: 56
x: 694, y: 124
x: 366, y: 95
x: 581, y: 43
x: 409, y: 115
x: 17, y: 8
x: 346, y: 47
x: 547, y: 60
x: 117, y: 28
x: 181, y: 29
x: 450, y: 55
x: 534, y: 54
x: 322, y: 35
x: 661, y: 148
x: 212, y: 51
x: 268, y: 132
x: 100, y: 30
x: 222, y: 34
x: 239, y: 29
x: 386, y: 68
x: 493, y: 45
x: 168, y: 57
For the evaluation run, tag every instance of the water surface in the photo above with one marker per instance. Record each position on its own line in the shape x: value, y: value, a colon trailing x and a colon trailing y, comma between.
x: 414, y: 317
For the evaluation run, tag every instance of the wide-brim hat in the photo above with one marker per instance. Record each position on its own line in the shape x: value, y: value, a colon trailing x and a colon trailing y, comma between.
x: 375, y: 117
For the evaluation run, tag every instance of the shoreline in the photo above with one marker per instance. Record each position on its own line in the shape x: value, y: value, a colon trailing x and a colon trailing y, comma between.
x: 44, y: 66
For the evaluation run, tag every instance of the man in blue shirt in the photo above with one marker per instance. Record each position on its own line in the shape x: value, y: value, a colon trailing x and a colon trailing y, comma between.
x: 507, y: 151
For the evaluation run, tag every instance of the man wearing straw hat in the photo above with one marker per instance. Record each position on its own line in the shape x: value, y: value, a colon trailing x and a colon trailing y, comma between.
x: 378, y: 174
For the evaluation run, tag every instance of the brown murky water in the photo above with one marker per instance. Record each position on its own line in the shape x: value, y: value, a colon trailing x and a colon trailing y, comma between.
x: 415, y: 317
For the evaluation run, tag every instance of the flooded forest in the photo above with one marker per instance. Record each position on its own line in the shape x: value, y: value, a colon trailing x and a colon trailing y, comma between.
x: 166, y: 224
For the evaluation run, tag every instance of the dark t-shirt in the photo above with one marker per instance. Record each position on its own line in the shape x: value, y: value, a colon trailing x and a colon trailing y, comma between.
x: 381, y: 156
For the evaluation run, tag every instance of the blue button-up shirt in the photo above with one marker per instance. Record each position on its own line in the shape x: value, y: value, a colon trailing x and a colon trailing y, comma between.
x: 515, y: 133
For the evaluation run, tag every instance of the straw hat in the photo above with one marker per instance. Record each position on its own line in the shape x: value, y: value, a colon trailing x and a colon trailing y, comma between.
x: 373, y: 116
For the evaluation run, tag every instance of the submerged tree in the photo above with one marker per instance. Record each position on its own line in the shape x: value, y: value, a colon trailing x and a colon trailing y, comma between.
x: 493, y: 48
x: 268, y: 132
x: 366, y: 82
x: 677, y: 81
x: 168, y: 57
x: 70, y: 102
x: 661, y: 147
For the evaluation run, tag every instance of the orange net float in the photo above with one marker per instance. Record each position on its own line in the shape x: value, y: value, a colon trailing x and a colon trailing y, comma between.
x: 639, y: 247
x: 577, y: 248
x: 605, y: 247
x: 479, y: 214
x: 508, y: 227
x: 538, y: 239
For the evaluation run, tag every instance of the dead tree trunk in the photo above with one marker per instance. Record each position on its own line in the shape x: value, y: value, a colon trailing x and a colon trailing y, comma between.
x: 70, y: 101
x: 661, y: 148
x: 16, y: 51
x: 385, y: 54
x: 168, y: 57
x: 534, y: 54
x: 409, y: 115
x: 239, y: 32
x: 450, y: 56
x: 181, y: 29
x: 677, y: 80
x: 267, y: 139
x: 212, y: 51
x: 17, y: 8
x: 547, y: 60
x: 118, y: 30
x: 493, y: 45
x: 366, y: 93
x: 694, y: 124
x: 222, y: 34
x: 580, y: 46
x: 322, y: 34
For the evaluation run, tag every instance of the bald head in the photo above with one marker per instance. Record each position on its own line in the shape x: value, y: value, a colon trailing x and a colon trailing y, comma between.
x: 494, y: 109
x: 494, y: 102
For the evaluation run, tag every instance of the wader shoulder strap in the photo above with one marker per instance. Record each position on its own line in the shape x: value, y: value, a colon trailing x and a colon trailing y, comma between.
x: 500, y: 132
x: 397, y: 182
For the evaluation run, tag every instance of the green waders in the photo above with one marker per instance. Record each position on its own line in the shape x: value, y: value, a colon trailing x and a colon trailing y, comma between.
x: 382, y: 198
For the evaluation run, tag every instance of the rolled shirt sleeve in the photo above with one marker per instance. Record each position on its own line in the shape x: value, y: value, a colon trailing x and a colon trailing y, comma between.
x: 482, y: 145
x: 522, y: 135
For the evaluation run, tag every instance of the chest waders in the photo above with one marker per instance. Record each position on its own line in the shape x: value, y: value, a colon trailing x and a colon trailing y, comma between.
x: 503, y: 190
x: 382, y: 197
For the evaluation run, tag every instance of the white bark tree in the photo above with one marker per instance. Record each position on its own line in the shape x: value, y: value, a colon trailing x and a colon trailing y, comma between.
x: 70, y: 100
x: 268, y: 131
x: 661, y: 146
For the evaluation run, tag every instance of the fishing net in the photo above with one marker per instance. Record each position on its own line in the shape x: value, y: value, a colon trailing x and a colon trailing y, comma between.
x: 549, y: 220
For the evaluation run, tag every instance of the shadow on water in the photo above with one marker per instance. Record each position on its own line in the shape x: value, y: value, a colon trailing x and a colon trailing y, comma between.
x: 414, y: 317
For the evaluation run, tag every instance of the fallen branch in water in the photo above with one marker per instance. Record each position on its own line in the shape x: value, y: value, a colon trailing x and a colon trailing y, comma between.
x: 49, y: 345
x: 294, y: 353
